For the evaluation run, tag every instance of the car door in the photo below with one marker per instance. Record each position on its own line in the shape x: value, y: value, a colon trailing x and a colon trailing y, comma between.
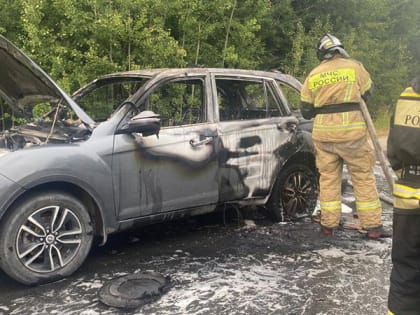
x: 176, y: 169
x: 253, y: 128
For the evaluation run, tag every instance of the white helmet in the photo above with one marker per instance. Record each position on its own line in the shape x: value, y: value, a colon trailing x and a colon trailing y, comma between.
x: 328, y: 45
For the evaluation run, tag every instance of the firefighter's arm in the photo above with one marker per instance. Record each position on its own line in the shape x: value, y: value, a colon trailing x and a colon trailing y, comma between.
x: 306, y: 103
x: 392, y: 150
x: 365, y: 83
x: 393, y: 158
x: 367, y: 93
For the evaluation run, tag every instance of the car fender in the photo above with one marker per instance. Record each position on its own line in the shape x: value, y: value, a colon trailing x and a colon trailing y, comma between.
x: 72, y: 164
x: 299, y: 147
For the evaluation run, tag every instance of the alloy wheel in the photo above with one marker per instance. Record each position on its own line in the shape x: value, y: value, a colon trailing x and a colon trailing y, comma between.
x: 49, y: 239
x: 297, y: 194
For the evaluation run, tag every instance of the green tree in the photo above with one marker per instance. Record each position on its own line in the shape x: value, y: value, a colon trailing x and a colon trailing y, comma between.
x: 77, y: 40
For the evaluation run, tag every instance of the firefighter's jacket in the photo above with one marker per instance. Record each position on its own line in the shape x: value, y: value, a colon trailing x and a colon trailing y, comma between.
x: 332, y: 93
x: 403, y: 148
x: 403, y: 151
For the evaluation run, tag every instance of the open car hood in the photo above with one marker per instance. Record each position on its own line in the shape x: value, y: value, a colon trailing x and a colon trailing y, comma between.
x: 23, y: 83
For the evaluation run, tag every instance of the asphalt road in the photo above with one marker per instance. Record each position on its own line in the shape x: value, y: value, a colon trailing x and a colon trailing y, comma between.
x: 224, y: 264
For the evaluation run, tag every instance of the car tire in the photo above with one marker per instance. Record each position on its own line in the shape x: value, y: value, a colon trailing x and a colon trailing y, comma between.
x: 294, y: 194
x: 45, y: 237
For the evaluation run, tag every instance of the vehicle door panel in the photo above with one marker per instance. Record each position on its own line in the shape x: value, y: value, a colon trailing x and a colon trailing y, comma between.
x: 252, y: 137
x: 176, y: 169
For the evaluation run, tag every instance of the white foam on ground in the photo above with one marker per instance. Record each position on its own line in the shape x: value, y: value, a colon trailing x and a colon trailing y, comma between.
x: 275, y: 283
x: 346, y: 209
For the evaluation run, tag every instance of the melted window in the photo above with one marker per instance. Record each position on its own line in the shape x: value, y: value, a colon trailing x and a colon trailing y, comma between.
x: 102, y: 101
x: 179, y: 102
x: 242, y: 100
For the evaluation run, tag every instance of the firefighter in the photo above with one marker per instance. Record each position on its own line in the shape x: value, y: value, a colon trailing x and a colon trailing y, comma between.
x: 332, y: 93
x: 403, y: 150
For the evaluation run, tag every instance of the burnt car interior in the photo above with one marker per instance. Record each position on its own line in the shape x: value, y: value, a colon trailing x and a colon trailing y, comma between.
x: 31, y: 110
x: 47, y: 119
x: 179, y: 102
x: 101, y: 101
x: 242, y: 100
x: 43, y: 122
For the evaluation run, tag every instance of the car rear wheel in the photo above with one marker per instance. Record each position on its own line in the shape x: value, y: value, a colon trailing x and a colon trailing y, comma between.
x: 294, y: 194
x: 44, y: 238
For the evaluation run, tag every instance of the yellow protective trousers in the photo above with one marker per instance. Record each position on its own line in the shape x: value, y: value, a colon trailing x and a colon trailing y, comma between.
x: 360, y: 159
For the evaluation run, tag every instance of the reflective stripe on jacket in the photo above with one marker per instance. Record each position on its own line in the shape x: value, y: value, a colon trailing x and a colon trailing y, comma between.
x: 407, y: 192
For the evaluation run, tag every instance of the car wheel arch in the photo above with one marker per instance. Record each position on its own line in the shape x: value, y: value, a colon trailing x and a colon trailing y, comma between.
x: 97, y: 213
x: 302, y: 158
x: 46, y: 236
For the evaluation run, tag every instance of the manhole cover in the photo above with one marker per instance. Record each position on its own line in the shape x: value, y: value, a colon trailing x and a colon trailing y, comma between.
x: 135, y: 290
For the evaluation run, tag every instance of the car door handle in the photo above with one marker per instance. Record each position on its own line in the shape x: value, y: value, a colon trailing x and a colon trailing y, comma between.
x: 289, y: 126
x: 206, y: 140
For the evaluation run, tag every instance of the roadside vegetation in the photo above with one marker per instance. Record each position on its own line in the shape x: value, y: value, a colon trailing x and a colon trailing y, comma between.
x: 77, y: 40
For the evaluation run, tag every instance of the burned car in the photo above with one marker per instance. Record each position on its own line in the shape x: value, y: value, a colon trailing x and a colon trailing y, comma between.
x: 157, y: 145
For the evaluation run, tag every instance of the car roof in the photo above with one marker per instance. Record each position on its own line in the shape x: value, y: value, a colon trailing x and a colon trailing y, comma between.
x: 277, y: 75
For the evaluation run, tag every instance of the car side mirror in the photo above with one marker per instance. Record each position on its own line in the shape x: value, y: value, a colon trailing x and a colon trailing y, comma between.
x: 147, y: 123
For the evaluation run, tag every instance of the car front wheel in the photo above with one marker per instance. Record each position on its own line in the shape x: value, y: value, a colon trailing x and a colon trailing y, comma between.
x: 44, y: 238
x: 294, y: 194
